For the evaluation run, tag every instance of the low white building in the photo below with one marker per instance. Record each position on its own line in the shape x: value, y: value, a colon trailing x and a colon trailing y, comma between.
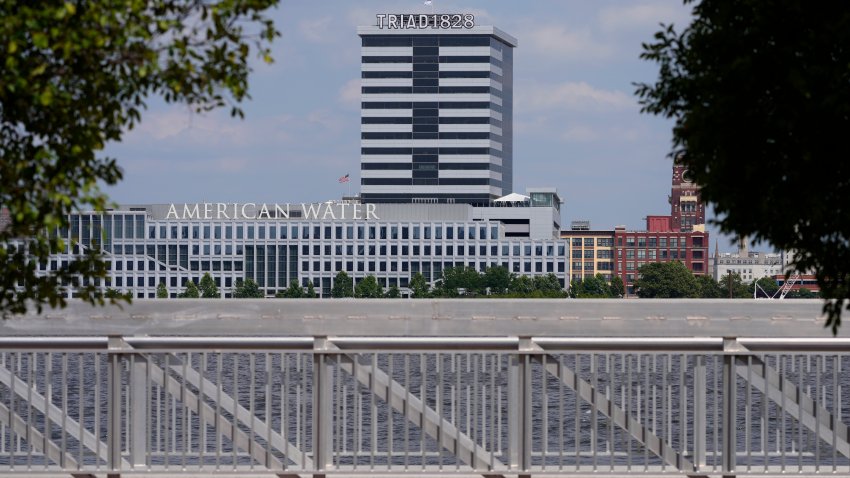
x: 749, y: 265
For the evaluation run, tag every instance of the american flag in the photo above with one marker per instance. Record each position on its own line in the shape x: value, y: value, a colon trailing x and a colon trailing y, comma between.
x: 344, y: 179
x: 427, y: 2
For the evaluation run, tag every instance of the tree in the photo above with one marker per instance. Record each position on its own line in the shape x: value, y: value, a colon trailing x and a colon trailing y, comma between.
x: 419, y: 287
x: 247, y: 289
x: 708, y: 287
x: 76, y: 76
x: 457, y: 280
x: 191, y: 291
x: 521, y: 285
x: 311, y: 291
x: 111, y: 293
x: 208, y: 288
x: 758, y: 91
x: 161, y: 291
x: 343, y: 285
x: 666, y: 280
x: 733, y: 282
x: 294, y: 291
x: 393, y: 292
x: 548, y: 284
x: 595, y: 287
x: 497, y: 279
x: 767, y: 287
x: 618, y: 289
x: 368, y: 288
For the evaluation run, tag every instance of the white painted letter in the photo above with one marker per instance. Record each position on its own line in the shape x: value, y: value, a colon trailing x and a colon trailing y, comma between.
x: 392, y: 21
x: 281, y: 212
x: 243, y: 210
x: 207, y: 210
x: 221, y: 210
x: 381, y: 18
x: 370, y: 211
x: 172, y: 210
x: 311, y: 210
x: 329, y: 211
x: 193, y: 213
x: 358, y: 213
x: 264, y: 211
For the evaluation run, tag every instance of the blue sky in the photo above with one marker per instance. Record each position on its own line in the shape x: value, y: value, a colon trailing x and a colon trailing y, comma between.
x: 577, y: 121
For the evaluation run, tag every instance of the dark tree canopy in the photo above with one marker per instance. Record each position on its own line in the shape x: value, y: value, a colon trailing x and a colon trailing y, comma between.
x: 666, y: 280
x: 343, y: 285
x: 760, y: 94
x: 76, y: 76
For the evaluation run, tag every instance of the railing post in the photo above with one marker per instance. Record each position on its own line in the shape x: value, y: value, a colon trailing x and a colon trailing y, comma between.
x: 519, y: 407
x: 730, y: 390
x: 137, y: 420
x: 117, y: 347
x: 700, y: 415
x: 322, y: 407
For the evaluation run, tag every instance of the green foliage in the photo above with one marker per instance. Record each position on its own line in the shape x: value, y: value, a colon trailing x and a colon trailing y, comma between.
x: 591, y: 288
x: 758, y: 92
x: 161, y: 291
x: 247, y: 289
x: 77, y: 76
x: 618, y: 289
x: 343, y: 285
x: 419, y: 287
x: 801, y: 293
x: 734, y: 283
x: 111, y: 293
x: 708, y: 288
x: 208, y: 288
x: 191, y: 291
x: 368, y: 288
x: 393, y: 292
x: 666, y: 280
x: 497, y: 279
x: 768, y: 286
x: 310, y: 293
x: 460, y: 281
x: 521, y: 285
x: 294, y: 291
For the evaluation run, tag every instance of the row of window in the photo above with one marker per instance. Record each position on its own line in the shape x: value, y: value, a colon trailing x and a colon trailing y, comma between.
x: 429, y: 182
x: 632, y: 266
x: 657, y: 241
x: 431, y: 120
x: 588, y: 241
x: 443, y: 105
x: 431, y: 74
x: 442, y: 151
x: 432, y: 60
x: 419, y: 166
x: 654, y: 253
x: 429, y: 135
x: 383, y: 90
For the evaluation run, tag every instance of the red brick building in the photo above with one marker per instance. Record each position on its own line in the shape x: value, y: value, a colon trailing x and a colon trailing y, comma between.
x: 680, y: 236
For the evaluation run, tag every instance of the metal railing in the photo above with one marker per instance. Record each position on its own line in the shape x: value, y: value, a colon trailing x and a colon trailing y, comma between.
x: 450, y: 404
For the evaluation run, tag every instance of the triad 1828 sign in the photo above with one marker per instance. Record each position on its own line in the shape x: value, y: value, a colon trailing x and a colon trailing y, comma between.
x: 441, y: 21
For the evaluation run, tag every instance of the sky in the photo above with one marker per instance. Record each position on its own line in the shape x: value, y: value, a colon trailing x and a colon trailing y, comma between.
x: 577, y: 122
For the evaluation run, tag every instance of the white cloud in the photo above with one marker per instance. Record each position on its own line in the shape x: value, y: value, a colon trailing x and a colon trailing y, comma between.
x: 560, y: 42
x: 317, y: 30
x: 349, y: 94
x: 577, y: 96
x: 580, y: 133
x: 640, y: 17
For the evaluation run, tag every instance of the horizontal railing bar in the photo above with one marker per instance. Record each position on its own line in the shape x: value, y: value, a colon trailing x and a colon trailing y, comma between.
x: 426, y: 344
